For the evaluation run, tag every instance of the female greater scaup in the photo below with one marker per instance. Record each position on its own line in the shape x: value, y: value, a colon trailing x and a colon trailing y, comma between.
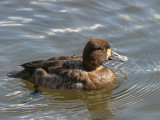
x: 73, y: 72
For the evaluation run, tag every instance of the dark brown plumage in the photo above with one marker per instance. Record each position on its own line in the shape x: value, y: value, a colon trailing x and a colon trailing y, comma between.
x: 73, y: 72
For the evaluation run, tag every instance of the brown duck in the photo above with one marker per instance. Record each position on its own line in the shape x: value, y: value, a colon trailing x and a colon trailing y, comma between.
x: 73, y: 72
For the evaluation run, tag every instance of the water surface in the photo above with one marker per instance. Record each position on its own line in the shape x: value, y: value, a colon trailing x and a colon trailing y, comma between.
x: 38, y: 29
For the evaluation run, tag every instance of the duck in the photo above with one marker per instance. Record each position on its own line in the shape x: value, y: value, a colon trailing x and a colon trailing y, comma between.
x: 73, y: 72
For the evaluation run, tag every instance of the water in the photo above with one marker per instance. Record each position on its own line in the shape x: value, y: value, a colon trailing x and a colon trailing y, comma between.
x: 38, y: 29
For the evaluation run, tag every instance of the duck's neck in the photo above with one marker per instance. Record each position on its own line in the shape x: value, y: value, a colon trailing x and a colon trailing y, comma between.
x: 90, y: 65
x: 91, y: 61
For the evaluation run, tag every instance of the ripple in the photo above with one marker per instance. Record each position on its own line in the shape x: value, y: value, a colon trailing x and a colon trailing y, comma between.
x: 40, y: 16
x: 40, y: 3
x: 67, y: 30
x: 154, y: 14
x: 137, y: 92
x: 26, y: 105
x: 135, y: 27
x: 138, y: 26
x: 4, y: 59
x: 49, y: 0
x: 157, y: 16
x: 22, y: 19
x: 14, y: 93
x: 34, y: 36
x: 24, y: 9
x: 127, y: 17
x: 114, y: 7
x: 69, y: 10
x: 133, y: 98
x: 10, y: 23
x: 153, y: 68
x: 8, y: 79
x: 14, y: 107
x: 142, y: 80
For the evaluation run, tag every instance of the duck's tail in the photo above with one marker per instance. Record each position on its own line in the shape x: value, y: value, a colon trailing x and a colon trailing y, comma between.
x: 24, y: 74
x: 13, y: 74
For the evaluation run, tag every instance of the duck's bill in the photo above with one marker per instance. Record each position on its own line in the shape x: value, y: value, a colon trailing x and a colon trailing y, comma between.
x: 116, y: 56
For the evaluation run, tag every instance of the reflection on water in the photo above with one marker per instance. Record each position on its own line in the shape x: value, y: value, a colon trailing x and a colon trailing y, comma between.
x: 97, y: 103
x: 38, y: 29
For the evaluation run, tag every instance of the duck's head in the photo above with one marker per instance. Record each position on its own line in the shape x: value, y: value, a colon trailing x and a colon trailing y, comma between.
x: 96, y: 51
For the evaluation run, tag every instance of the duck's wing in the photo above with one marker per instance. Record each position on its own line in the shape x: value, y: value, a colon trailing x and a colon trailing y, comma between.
x: 33, y: 64
x: 55, y: 61
x: 58, y: 72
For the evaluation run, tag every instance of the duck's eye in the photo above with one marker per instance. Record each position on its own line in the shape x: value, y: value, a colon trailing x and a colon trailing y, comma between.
x: 103, y: 49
